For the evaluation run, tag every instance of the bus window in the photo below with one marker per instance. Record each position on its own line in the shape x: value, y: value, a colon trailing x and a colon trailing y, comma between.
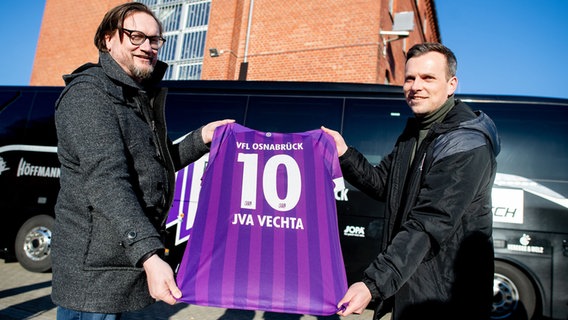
x: 293, y: 114
x: 14, y: 114
x: 372, y: 126
x: 186, y: 112
x: 531, y: 139
x: 40, y: 128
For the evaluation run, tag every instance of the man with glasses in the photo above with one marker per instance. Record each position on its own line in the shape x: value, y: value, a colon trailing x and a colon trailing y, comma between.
x: 117, y: 174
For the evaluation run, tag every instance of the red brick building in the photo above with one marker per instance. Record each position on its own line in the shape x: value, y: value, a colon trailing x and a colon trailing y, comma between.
x: 66, y: 38
x: 287, y: 40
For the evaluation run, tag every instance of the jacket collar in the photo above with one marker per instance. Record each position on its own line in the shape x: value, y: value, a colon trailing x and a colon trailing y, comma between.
x: 460, y: 112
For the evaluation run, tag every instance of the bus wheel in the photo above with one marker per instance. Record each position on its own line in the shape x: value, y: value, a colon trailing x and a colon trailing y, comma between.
x: 514, y: 296
x: 33, y: 244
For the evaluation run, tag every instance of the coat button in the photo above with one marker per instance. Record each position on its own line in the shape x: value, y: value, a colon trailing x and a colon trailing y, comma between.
x: 132, y: 235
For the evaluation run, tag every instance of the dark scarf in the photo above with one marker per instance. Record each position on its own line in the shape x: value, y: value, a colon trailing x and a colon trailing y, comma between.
x: 425, y: 123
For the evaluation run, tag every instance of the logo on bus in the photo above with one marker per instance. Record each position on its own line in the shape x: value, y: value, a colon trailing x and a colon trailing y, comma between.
x: 3, y: 165
x: 28, y: 169
x: 508, y: 205
x: 354, y: 231
x: 524, y: 245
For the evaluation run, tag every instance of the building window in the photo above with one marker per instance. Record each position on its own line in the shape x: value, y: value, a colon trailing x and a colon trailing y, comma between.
x: 185, y: 30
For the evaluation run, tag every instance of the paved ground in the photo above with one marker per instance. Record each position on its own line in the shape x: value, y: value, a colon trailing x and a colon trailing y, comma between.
x: 26, y: 295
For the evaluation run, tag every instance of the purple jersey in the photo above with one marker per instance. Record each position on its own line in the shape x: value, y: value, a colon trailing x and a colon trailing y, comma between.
x: 265, y: 235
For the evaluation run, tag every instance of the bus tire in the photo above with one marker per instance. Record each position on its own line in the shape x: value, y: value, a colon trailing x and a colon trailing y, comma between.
x: 33, y: 244
x: 515, y: 296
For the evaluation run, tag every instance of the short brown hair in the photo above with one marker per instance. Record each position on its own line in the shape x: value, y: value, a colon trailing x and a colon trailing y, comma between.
x: 422, y: 48
x: 114, y: 19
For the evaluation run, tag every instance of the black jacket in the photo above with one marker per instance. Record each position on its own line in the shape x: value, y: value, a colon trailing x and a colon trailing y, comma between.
x: 437, y: 260
x: 117, y: 182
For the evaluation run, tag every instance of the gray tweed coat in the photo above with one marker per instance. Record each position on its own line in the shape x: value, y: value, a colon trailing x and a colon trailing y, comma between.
x: 117, y: 181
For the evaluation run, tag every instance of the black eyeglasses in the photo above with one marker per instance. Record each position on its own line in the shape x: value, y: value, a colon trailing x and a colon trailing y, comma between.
x: 138, y: 37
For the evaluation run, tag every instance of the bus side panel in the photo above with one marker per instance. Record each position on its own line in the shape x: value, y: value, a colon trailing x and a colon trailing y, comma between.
x: 29, y: 172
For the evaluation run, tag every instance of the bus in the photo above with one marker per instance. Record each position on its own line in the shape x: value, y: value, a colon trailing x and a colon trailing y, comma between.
x: 530, y: 205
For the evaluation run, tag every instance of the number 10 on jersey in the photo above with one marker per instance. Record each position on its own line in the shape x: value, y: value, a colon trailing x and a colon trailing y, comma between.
x: 269, y: 184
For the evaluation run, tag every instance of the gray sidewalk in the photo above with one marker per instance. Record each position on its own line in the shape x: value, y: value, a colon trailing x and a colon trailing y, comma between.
x: 26, y: 295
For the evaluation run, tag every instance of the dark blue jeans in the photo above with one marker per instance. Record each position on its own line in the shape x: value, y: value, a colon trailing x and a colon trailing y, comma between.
x: 67, y: 314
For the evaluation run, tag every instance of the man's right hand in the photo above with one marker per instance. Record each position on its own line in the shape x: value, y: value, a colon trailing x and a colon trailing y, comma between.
x: 339, y: 141
x: 161, y: 282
